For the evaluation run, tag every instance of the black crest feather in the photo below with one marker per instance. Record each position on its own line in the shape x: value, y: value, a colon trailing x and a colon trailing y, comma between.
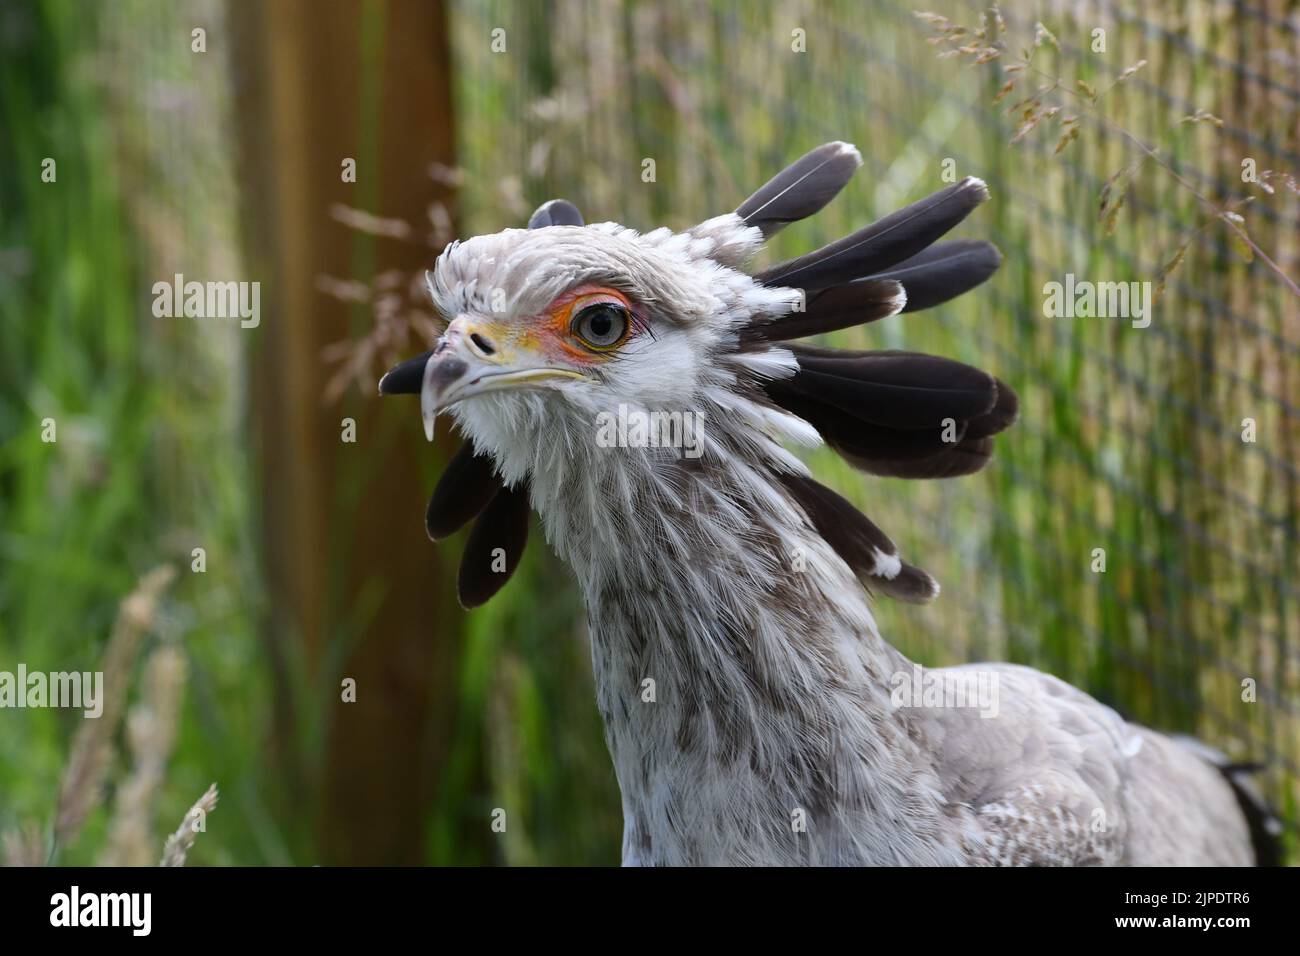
x: 504, y: 525
x: 557, y: 212
x: 884, y: 243
x: 905, y: 390
x: 406, y: 377
x: 886, y: 412
x: 857, y: 540
x: 829, y: 310
x: 910, y: 584
x: 899, y: 414
x: 801, y: 189
x: 462, y: 492
x: 943, y: 271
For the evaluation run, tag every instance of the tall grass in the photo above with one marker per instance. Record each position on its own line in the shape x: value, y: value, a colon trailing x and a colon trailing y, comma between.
x: 151, y: 457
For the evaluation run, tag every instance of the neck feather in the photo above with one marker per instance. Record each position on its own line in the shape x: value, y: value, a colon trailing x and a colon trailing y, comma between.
x: 738, y: 668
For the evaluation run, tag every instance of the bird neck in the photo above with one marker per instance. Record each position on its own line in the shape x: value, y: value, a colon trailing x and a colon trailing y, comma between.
x: 738, y: 668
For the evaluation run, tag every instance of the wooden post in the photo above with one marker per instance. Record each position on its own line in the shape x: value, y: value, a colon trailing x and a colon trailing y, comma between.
x: 350, y: 574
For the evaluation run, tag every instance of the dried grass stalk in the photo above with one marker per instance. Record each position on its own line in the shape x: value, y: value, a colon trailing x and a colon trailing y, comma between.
x: 24, y: 847
x: 92, y: 750
x: 179, y: 843
x: 151, y: 732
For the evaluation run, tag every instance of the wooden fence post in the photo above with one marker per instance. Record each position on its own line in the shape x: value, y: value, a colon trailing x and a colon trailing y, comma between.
x: 351, y: 576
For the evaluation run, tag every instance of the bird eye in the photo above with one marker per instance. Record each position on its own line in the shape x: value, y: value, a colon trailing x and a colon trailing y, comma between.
x: 602, y: 326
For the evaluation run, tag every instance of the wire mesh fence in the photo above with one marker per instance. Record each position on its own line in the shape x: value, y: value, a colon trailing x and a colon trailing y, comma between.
x: 1161, y: 452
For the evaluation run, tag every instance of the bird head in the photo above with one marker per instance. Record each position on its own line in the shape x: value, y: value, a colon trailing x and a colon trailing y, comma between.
x: 553, y: 327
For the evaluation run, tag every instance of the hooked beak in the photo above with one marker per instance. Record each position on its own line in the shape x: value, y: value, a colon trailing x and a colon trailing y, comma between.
x: 465, y: 363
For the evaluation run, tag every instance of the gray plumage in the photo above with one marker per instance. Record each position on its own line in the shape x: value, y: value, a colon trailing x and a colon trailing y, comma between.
x: 753, y: 712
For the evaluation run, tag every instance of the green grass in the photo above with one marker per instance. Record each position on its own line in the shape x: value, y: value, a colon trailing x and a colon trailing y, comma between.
x: 151, y: 456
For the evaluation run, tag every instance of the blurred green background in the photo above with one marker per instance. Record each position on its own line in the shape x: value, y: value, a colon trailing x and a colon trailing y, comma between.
x: 174, y: 434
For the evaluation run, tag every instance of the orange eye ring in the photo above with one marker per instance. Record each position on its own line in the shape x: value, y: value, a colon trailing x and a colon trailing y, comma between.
x: 600, y: 319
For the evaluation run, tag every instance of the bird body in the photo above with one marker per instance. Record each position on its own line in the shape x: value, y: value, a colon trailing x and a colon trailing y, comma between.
x: 776, y: 696
x: 753, y: 712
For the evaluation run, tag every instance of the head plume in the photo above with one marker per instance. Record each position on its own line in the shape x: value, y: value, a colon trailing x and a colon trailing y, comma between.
x: 701, y: 329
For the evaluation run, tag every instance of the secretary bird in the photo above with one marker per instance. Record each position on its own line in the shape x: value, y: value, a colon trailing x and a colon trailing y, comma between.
x: 782, y: 728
